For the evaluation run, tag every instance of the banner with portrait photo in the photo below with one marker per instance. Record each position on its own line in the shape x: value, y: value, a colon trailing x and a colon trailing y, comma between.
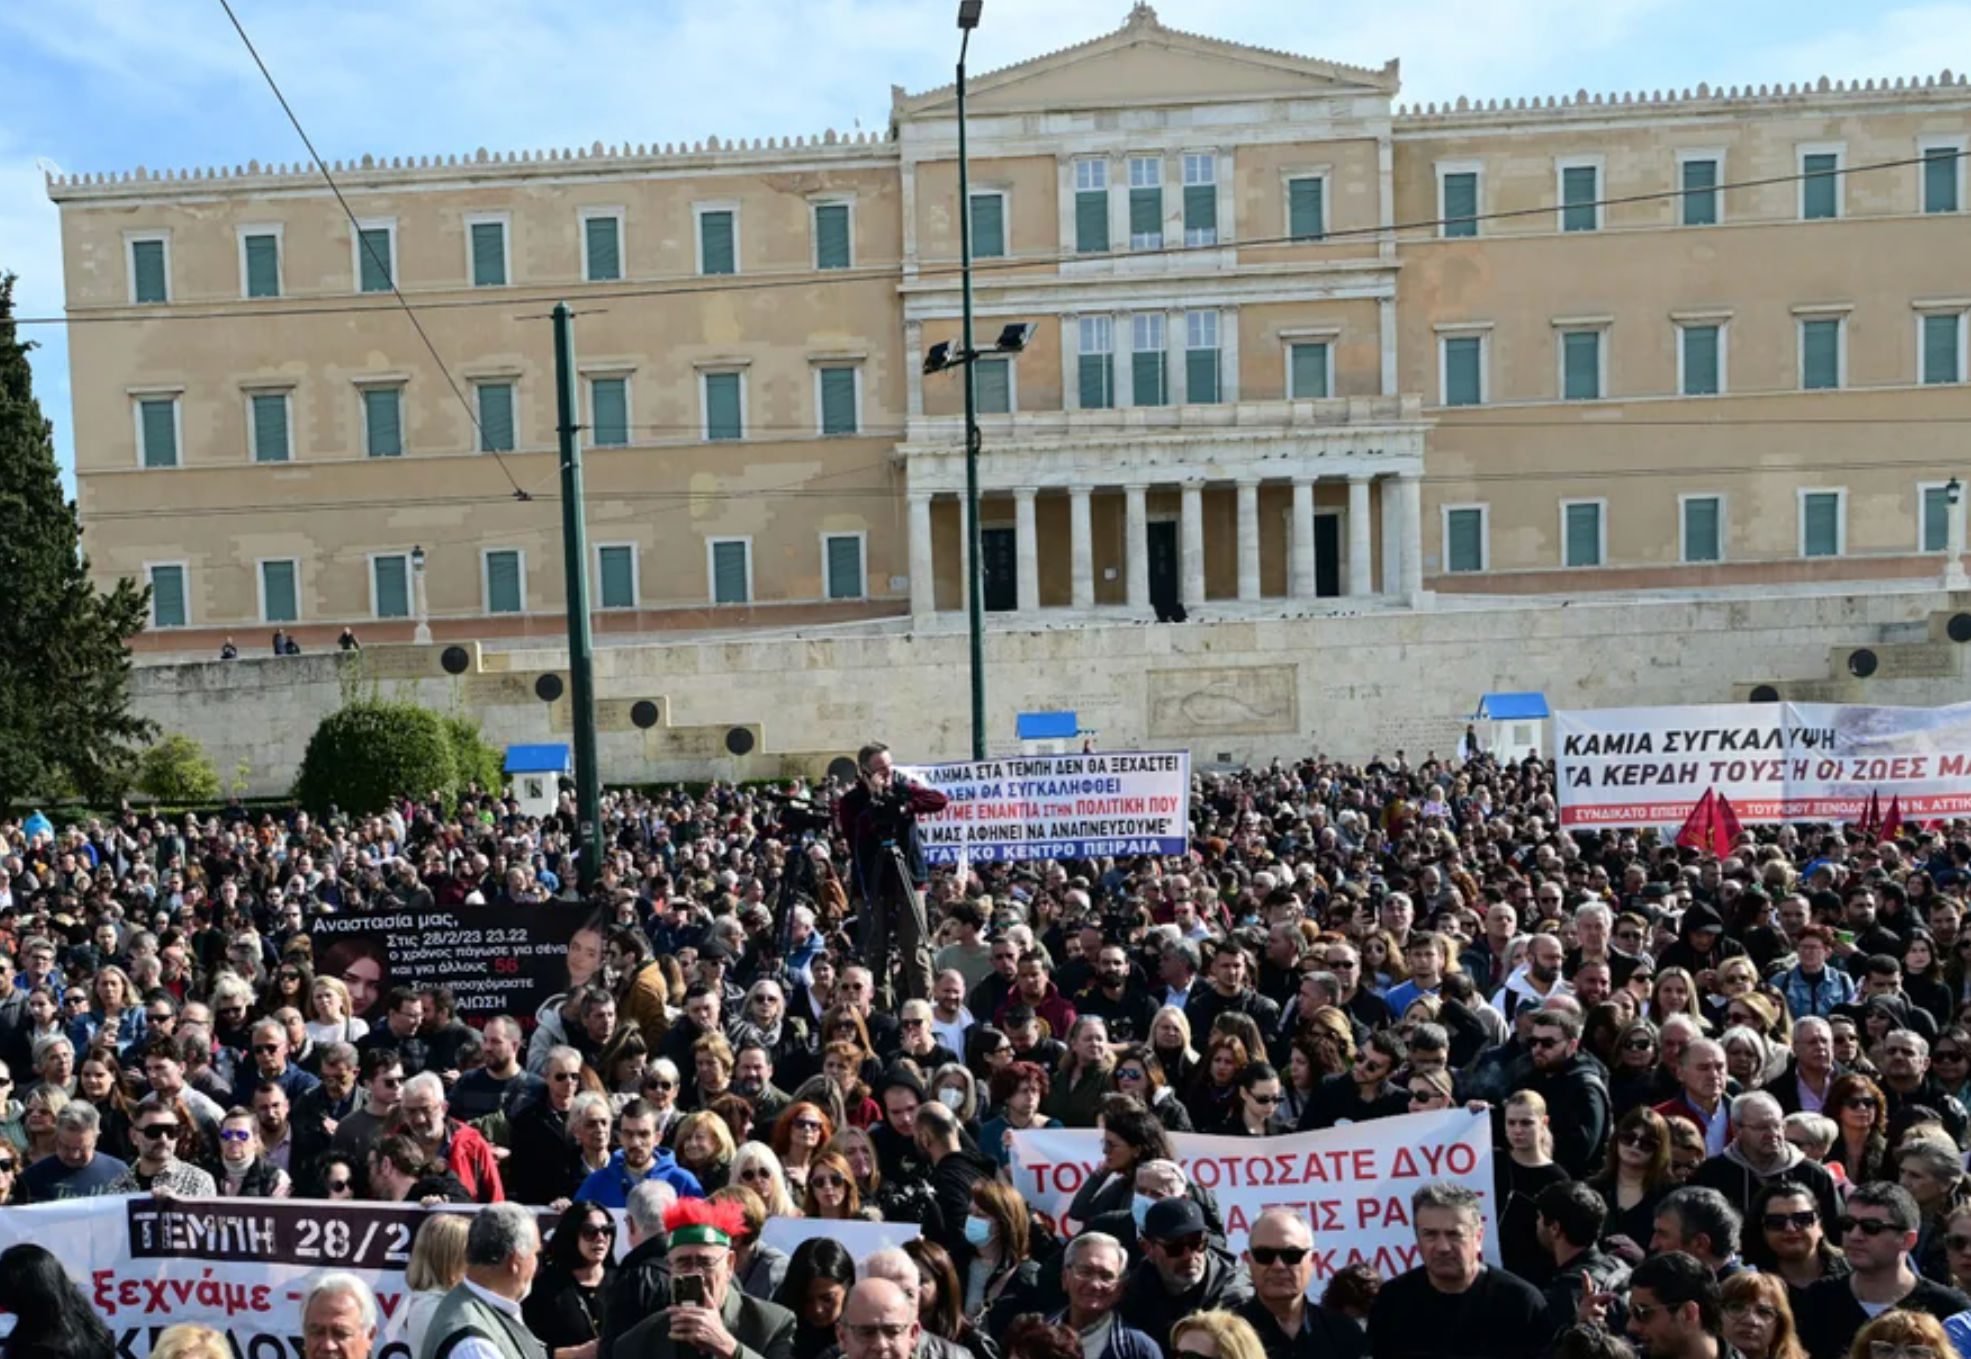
x: 495, y: 959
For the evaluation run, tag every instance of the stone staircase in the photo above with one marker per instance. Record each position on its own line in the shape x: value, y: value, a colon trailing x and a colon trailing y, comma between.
x: 1931, y: 650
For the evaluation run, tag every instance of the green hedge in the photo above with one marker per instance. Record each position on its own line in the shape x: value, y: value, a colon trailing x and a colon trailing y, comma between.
x: 366, y: 755
x: 176, y: 770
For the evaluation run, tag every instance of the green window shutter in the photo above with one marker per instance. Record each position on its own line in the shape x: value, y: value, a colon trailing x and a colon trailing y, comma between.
x: 831, y: 236
x: 168, y: 596
x: 1820, y: 355
x: 495, y: 417
x: 1940, y: 178
x: 488, y: 254
x: 1579, y: 186
x: 1146, y: 378
x: 1091, y: 221
x: 610, y: 398
x: 1304, y: 209
x: 988, y: 226
x: 1700, y: 360
x: 383, y: 421
x: 618, y: 577
x: 1940, y: 357
x: 723, y: 419
x: 1583, y: 535
x: 374, y: 266
x: 1308, y: 371
x: 1463, y: 382
x: 147, y: 263
x: 393, y: 586
x: 1201, y: 377
x: 1700, y: 193
x: 1821, y: 191
x: 604, y: 238
x: 1145, y: 214
x: 1821, y: 525
x: 992, y: 386
x: 715, y: 243
x: 1097, y: 382
x: 838, y: 401
x: 270, y: 427
x: 845, y: 567
x: 1460, y: 210
x: 1201, y: 212
x: 263, y: 266
x: 1936, y: 519
x: 729, y: 573
x: 503, y: 583
x: 1581, y: 353
x: 160, y: 422
x: 1464, y: 549
x: 277, y: 585
x: 1701, y: 536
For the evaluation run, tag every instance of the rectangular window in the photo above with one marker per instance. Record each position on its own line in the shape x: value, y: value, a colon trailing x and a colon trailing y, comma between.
x: 157, y: 428
x: 1943, y: 347
x: 279, y: 601
x: 1307, y: 371
x: 1820, y: 189
x: 496, y: 432
x: 390, y: 584
x: 837, y: 400
x: 731, y: 571
x: 602, y: 247
x: 1580, y: 365
x: 1201, y: 199
x: 1936, y: 519
x: 506, y: 582
x: 1091, y: 207
x: 988, y: 226
x: 167, y: 596
x: 1146, y: 359
x: 1464, y: 370
x: 1700, y: 176
x: 831, y: 236
x: 269, y: 411
x: 374, y: 266
x: 616, y: 568
x: 149, y: 274
x: 1580, y: 192
x: 1820, y: 524
x: 383, y: 422
x: 609, y: 412
x: 992, y: 386
x: 1941, y: 178
x: 1307, y: 208
x: 717, y: 242
x: 1464, y: 538
x: 1145, y: 203
x: 724, y: 407
x: 1460, y: 207
x: 488, y: 243
x: 1097, y: 375
x: 1820, y: 354
x: 1201, y: 358
x: 261, y: 251
x: 1583, y: 533
x: 843, y: 554
x: 1703, y: 528
x: 1701, y: 359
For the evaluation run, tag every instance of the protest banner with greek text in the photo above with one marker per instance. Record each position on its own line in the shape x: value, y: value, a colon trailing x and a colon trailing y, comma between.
x: 496, y: 959
x: 1117, y: 803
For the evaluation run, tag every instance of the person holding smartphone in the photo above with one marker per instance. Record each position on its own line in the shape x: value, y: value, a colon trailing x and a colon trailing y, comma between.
x: 708, y: 1318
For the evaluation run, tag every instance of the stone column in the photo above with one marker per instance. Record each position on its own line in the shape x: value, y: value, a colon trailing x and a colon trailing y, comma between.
x: 1301, y: 561
x: 1026, y: 550
x: 1360, y: 580
x: 1248, y: 540
x: 1409, y: 525
x: 1136, y: 548
x: 1392, y: 561
x: 1190, y: 546
x: 923, y: 572
x: 1081, y: 551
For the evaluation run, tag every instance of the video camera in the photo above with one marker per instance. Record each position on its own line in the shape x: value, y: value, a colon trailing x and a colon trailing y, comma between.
x: 799, y: 815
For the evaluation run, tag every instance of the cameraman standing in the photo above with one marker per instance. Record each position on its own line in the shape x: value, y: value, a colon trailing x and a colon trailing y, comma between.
x: 879, y: 817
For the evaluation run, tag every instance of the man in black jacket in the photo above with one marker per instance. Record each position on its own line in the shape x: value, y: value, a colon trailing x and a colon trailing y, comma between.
x: 1759, y: 1155
x: 641, y: 1284
x: 1878, y: 1230
x: 954, y: 1171
x: 1363, y: 1091
x: 1572, y: 1084
x: 1571, y: 1216
x: 879, y: 819
x: 1180, y: 1273
x: 1229, y: 993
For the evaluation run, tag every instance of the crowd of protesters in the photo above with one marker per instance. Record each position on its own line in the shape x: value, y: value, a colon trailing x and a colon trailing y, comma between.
x: 1728, y: 1095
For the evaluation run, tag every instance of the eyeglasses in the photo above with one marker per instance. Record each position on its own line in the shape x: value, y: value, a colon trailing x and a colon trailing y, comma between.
x: 1947, y: 1055
x: 827, y: 1182
x: 342, y: 1186
x: 8, y: 1165
x: 1543, y: 1043
x: 654, y: 1085
x: 1956, y: 1242
x: 1270, y: 1255
x: 157, y: 1130
x: 1765, y: 1312
x: 1130, y: 1073
x: 1638, y: 1044
x: 1183, y: 1245
x: 1860, y: 1102
x: 1885, y: 1349
x: 235, y: 1135
x: 598, y: 1231
x: 266, y: 1047
x: 756, y: 1173
x: 1268, y: 1100
x: 560, y: 1076
x: 1867, y: 1226
x: 1640, y: 1141
x: 1798, y: 1222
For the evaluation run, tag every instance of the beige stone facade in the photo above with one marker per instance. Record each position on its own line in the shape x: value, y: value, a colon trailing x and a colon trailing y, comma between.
x: 1293, y: 341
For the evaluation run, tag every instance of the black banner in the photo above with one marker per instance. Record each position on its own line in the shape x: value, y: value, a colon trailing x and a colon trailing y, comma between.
x: 495, y: 959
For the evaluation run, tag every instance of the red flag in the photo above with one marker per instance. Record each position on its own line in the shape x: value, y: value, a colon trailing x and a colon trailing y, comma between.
x: 1892, y: 824
x: 1871, y: 821
x: 1725, y: 830
x: 1696, y: 830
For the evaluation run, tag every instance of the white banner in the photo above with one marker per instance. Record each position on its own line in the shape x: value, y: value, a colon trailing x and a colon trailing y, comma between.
x: 1118, y: 803
x: 1774, y: 761
x: 1353, y: 1183
x: 860, y: 1239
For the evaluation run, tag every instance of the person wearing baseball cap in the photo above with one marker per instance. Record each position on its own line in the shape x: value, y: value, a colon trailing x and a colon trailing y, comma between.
x: 1180, y: 1273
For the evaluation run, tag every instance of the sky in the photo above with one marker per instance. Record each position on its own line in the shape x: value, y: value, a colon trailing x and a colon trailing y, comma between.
x: 95, y: 85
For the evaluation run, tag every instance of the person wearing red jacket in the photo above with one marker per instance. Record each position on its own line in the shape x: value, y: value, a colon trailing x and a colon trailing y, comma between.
x: 448, y: 1142
x: 1034, y: 987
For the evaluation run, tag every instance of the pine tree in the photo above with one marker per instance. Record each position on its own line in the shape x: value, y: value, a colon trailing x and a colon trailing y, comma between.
x: 65, y: 721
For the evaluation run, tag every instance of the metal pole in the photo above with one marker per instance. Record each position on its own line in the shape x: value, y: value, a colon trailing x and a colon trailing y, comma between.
x: 975, y: 583
x: 575, y: 552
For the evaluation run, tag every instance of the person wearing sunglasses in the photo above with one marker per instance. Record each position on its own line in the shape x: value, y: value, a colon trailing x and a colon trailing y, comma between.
x: 241, y: 1172
x: 1255, y: 1110
x: 564, y: 1307
x: 1903, y: 1334
x: 1788, y: 1237
x: 1877, y: 1230
x: 158, y: 1128
x: 1280, y: 1259
x: 1179, y: 1273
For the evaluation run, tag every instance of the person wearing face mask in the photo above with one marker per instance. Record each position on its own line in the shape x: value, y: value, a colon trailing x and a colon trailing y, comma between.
x: 997, y: 1272
x: 955, y: 1171
x: 1153, y: 1181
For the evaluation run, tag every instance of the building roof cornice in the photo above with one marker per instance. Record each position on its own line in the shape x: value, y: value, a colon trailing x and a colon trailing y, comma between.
x: 1463, y: 111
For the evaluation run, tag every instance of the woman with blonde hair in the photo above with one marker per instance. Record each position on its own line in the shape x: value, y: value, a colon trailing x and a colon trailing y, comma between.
x: 437, y: 1264
x: 1759, y: 1318
x: 1170, y: 1039
x: 1903, y: 1334
x: 1215, y: 1335
x: 330, y: 1017
x: 189, y: 1341
x: 1674, y: 992
x: 755, y: 1167
x: 705, y: 1148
